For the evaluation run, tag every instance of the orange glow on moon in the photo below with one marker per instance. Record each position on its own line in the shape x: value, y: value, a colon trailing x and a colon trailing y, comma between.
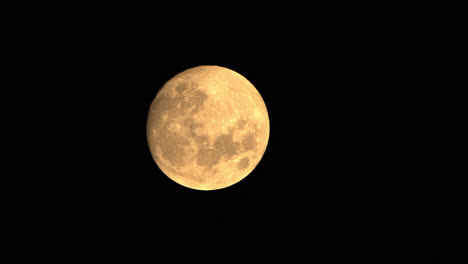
x: 207, y: 128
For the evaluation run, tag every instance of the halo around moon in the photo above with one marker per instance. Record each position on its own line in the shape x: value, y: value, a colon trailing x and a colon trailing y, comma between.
x: 207, y: 128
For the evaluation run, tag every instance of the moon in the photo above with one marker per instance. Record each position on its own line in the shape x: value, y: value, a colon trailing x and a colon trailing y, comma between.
x: 207, y: 128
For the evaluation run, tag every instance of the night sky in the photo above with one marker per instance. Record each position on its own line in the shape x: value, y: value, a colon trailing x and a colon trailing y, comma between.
x: 339, y: 178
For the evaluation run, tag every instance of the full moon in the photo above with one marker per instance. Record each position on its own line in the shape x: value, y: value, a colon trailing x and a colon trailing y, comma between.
x: 207, y: 128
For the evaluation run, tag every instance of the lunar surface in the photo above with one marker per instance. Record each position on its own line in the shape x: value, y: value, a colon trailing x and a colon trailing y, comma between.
x: 207, y: 128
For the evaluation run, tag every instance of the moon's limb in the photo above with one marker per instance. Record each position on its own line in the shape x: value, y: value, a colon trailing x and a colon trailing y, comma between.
x: 207, y: 128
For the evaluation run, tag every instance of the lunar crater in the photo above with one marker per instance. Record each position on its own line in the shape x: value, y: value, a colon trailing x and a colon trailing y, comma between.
x: 243, y: 163
x: 208, y: 157
x: 226, y: 146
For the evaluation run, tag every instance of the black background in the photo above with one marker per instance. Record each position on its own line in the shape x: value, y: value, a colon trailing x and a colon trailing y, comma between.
x: 340, y: 178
